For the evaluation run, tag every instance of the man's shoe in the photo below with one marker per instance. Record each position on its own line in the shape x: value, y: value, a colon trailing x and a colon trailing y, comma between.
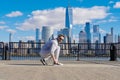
x: 58, y: 64
x: 43, y: 62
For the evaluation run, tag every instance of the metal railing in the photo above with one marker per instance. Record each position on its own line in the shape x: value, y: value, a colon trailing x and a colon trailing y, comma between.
x: 69, y: 51
x: 1, y: 50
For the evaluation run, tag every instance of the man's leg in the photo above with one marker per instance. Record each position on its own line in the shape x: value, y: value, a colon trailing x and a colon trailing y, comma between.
x: 57, y: 52
x: 44, y: 57
x: 47, y: 58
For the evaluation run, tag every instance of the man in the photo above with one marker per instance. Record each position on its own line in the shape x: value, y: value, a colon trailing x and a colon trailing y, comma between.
x: 51, y: 50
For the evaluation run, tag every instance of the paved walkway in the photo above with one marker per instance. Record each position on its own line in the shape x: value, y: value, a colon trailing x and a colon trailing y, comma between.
x: 71, y: 70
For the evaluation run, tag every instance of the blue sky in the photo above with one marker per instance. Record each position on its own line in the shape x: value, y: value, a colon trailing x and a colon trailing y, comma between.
x: 21, y: 17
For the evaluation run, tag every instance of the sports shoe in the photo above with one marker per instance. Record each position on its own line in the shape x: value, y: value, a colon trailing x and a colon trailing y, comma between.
x: 43, y: 62
x: 58, y: 64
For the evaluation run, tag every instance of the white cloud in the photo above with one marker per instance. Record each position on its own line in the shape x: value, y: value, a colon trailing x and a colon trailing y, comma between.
x: 117, y: 5
x: 111, y: 19
x: 3, y: 27
x: 82, y: 15
x: 26, y: 38
x: 56, y: 17
x: 11, y: 31
x: 2, y: 22
x: 14, y: 14
x: 39, y: 18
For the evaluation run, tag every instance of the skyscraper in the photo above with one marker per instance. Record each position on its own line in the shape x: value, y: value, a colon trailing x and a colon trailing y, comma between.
x: 99, y: 37
x: 118, y: 38
x: 10, y: 37
x: 47, y: 33
x: 82, y: 37
x: 69, y: 23
x: 112, y: 34
x: 96, y: 34
x: 95, y: 28
x: 69, y: 18
x: 37, y: 34
x: 109, y: 38
x: 112, y: 31
x: 87, y: 30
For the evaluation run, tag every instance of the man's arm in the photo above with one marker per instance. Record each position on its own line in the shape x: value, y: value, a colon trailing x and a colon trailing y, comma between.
x: 53, y: 57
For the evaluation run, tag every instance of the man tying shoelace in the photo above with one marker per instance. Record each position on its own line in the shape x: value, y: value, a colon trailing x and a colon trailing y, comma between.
x: 51, y: 50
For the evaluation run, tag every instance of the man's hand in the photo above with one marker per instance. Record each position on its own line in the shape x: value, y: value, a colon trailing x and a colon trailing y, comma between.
x: 53, y: 57
x: 55, y: 62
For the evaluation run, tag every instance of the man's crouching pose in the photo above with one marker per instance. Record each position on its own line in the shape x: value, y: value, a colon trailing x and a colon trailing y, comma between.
x: 51, y: 50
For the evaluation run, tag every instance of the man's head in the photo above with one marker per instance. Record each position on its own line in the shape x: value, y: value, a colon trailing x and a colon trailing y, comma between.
x: 60, y: 38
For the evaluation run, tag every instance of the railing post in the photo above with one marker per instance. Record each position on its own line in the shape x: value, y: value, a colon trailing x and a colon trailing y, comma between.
x: 113, y: 53
x: 78, y: 54
x: 5, y: 55
x: 3, y: 52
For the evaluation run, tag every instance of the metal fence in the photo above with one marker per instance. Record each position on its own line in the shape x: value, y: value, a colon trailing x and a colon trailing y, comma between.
x: 69, y: 51
x: 1, y: 50
x: 91, y: 51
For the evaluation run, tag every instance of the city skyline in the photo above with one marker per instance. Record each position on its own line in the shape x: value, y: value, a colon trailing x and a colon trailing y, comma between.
x: 21, y: 19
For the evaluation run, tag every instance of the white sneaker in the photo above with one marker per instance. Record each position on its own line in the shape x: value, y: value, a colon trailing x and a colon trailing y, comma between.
x: 58, y: 64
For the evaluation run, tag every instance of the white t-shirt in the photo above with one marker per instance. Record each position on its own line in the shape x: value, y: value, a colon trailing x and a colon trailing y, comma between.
x: 49, y: 47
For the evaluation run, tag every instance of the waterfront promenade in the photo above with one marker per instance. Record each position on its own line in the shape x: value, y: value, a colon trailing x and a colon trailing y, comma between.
x: 71, y: 70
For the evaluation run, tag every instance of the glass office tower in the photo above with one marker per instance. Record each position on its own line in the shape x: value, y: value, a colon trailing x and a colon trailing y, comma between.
x: 37, y: 34
x: 69, y: 18
x: 69, y: 23
x: 87, y: 30
x: 47, y: 33
x: 96, y: 34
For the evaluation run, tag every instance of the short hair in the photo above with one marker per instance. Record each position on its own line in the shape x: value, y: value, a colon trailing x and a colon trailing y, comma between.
x: 61, y: 35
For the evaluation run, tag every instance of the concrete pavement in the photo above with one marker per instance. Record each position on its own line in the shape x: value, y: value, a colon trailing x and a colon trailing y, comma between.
x: 71, y: 70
